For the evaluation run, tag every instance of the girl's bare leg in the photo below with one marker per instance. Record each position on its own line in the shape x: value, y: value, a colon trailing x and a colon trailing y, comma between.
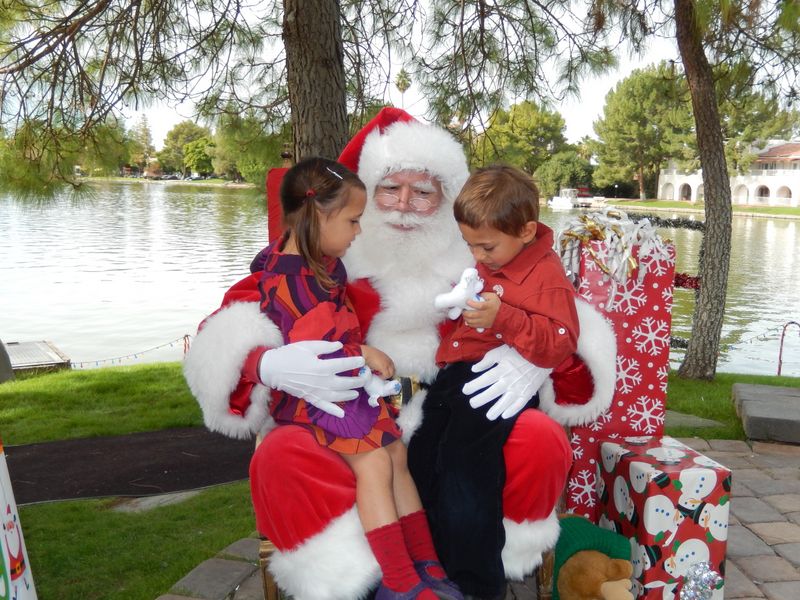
x: 374, y: 493
x: 414, y: 523
x: 384, y: 533
x: 406, y: 497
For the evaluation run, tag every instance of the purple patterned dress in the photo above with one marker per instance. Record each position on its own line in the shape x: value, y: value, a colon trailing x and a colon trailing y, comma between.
x: 303, y: 310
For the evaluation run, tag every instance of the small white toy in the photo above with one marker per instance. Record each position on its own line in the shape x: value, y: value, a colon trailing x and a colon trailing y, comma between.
x: 377, y: 387
x: 467, y: 288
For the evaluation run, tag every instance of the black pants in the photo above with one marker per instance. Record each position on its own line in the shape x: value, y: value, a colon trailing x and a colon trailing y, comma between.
x: 456, y: 459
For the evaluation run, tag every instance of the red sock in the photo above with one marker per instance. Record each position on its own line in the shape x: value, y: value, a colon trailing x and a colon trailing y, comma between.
x: 390, y: 552
x: 419, y: 542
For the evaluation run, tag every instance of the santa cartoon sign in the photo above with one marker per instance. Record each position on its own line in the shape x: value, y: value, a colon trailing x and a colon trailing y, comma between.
x: 16, y: 582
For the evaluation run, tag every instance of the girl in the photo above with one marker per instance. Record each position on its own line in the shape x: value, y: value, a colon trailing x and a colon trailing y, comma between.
x: 303, y: 292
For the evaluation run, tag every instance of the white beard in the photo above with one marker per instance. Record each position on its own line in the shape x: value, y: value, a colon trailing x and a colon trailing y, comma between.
x: 408, y: 268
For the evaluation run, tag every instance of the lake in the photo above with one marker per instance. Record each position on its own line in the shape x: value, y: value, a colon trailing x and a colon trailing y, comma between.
x: 120, y: 275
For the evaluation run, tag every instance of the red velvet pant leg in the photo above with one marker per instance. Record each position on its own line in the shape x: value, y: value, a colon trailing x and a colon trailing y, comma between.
x: 538, y: 459
x: 298, y: 487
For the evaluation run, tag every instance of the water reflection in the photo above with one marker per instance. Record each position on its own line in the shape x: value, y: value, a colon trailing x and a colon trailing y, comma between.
x: 762, y: 294
x: 137, y: 265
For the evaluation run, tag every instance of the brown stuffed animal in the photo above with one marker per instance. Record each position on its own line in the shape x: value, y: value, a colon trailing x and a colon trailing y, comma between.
x: 591, y: 563
x: 592, y: 575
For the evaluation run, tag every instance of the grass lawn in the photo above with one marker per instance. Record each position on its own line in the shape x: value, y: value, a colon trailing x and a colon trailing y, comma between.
x: 713, y: 400
x: 83, y: 550
x: 643, y: 206
x: 85, y: 403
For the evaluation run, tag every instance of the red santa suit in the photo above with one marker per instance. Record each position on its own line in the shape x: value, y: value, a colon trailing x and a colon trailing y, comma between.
x: 303, y: 494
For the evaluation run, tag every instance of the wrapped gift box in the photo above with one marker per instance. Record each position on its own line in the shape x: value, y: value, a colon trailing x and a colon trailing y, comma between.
x: 672, y: 503
x: 15, y: 574
x: 628, y: 276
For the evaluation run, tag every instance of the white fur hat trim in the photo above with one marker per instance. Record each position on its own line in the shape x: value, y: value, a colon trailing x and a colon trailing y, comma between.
x: 414, y: 146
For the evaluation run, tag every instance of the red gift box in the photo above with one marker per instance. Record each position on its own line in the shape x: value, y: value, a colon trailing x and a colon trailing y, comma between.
x: 640, y: 311
x: 672, y: 503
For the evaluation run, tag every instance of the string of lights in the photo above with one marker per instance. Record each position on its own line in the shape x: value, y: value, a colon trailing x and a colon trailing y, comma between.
x: 770, y: 334
x: 677, y: 222
x: 118, y: 359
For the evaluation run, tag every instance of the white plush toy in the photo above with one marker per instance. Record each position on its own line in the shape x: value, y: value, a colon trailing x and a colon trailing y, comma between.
x: 377, y: 387
x: 467, y: 288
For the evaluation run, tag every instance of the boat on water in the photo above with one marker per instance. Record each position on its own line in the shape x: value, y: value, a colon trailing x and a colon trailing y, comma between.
x: 569, y: 198
x: 564, y: 200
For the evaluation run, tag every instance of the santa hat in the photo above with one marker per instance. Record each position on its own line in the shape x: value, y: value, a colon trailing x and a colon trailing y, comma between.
x: 388, y: 115
x: 394, y: 141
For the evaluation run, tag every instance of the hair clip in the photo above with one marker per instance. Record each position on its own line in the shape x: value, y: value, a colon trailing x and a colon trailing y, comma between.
x: 310, y: 193
x: 332, y: 172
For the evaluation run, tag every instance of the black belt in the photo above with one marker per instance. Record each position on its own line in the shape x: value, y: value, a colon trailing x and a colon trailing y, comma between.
x: 408, y: 387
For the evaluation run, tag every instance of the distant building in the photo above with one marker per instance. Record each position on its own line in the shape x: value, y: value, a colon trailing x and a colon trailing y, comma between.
x: 153, y: 169
x: 773, y: 179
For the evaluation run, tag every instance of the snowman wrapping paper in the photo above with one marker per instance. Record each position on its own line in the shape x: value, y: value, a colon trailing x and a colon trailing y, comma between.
x: 626, y: 271
x: 673, y: 505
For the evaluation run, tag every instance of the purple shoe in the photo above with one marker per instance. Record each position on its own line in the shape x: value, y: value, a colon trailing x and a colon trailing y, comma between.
x: 443, y: 588
x: 385, y: 593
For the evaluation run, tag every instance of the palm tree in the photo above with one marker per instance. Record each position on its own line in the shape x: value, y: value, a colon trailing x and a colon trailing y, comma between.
x: 402, y: 82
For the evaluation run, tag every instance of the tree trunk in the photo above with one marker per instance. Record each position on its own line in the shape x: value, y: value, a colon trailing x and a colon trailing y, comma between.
x: 655, y: 184
x: 642, y: 192
x: 700, y: 361
x: 312, y: 37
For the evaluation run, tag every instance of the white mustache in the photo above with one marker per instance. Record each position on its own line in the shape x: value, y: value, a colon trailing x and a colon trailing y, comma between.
x: 404, y: 219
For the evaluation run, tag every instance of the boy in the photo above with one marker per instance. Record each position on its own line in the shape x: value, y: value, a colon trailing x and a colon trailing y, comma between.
x: 456, y: 456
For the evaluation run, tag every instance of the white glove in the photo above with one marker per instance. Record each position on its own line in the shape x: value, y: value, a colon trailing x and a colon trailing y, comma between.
x: 377, y: 387
x: 297, y: 370
x: 512, y: 381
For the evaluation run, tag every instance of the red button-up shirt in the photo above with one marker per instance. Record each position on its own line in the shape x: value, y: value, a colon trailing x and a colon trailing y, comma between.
x: 537, y: 315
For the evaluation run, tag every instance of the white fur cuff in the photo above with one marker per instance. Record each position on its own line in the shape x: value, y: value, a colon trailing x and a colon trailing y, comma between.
x: 525, y: 543
x: 597, y: 346
x: 336, y: 564
x: 213, y: 367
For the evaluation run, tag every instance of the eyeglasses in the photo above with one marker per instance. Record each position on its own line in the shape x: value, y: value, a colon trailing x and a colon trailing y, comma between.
x: 389, y: 200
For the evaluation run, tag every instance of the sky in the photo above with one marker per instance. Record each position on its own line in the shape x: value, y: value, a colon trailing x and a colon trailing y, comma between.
x: 579, y: 113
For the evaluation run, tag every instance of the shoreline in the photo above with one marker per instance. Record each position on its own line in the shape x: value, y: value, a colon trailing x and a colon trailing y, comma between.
x: 642, y: 207
x: 142, y: 180
x: 618, y: 204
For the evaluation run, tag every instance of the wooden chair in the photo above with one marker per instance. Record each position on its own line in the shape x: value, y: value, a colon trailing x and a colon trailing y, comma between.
x: 265, y: 550
x: 544, y: 573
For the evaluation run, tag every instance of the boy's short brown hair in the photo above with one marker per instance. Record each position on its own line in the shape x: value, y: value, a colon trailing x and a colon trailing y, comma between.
x: 499, y: 196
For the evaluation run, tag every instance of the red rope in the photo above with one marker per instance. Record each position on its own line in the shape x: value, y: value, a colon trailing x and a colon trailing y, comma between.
x: 684, y: 280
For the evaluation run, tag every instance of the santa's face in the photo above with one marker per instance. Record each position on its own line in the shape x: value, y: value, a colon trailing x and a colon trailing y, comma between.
x: 411, y: 237
x: 11, y: 532
x: 407, y: 198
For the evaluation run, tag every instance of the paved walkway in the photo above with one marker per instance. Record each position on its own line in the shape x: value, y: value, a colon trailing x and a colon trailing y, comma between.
x: 763, y: 537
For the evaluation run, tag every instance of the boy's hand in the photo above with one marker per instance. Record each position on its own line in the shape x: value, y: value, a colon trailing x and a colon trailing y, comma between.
x: 482, y: 314
x: 378, y: 361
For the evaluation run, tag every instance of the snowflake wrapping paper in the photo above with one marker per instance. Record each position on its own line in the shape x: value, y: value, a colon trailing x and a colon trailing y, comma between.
x: 640, y: 311
x: 673, y: 505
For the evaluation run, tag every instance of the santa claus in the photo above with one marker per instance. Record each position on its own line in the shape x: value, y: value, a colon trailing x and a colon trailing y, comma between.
x: 304, y: 494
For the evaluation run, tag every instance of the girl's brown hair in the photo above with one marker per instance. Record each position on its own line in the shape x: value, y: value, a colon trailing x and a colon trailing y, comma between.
x: 499, y: 196
x: 314, y: 185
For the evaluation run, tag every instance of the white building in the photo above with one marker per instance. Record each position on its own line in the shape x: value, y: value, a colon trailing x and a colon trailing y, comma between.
x: 773, y: 180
